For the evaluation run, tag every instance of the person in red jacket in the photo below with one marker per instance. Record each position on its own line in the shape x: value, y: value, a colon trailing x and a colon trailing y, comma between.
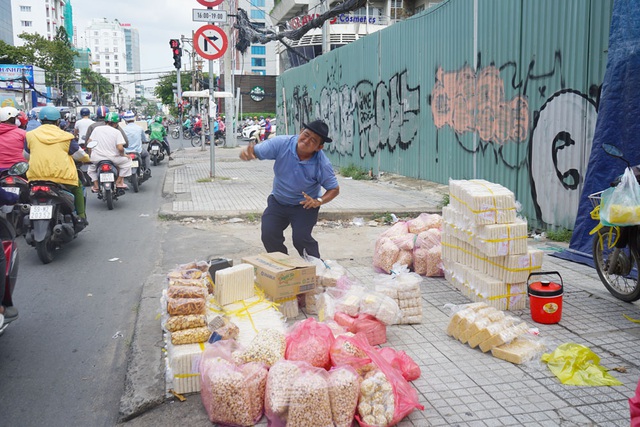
x: 12, y: 138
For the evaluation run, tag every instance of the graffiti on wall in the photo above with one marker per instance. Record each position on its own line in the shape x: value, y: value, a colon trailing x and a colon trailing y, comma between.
x: 385, y: 114
x: 470, y: 102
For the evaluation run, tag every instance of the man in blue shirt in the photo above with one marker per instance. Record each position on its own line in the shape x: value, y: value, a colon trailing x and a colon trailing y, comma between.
x: 301, y: 169
x: 137, y: 137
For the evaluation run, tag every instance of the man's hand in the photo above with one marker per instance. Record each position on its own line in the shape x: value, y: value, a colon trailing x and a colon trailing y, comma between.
x: 248, y: 153
x: 309, y: 202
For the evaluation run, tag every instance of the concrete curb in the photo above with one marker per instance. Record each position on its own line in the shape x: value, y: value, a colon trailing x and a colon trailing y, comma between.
x: 144, y: 381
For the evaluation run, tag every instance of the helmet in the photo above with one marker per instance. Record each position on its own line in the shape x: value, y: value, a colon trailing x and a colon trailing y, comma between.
x: 85, y: 112
x: 7, y: 112
x: 101, y: 112
x: 22, y: 116
x: 112, y: 117
x: 129, y: 116
x: 158, y: 119
x: 50, y: 113
x: 32, y: 114
x: 261, y: 117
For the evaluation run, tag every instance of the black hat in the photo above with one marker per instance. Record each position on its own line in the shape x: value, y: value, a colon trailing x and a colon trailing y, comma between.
x: 319, y: 127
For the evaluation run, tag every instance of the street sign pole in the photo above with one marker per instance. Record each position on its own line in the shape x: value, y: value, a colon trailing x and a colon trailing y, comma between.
x: 212, y: 106
x: 229, y: 110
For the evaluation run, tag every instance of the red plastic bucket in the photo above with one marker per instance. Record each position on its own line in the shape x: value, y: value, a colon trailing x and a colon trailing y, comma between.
x: 545, y: 299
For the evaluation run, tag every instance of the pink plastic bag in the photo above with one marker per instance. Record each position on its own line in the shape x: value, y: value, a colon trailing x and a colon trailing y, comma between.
x: 310, y: 341
x: 232, y: 394
x: 634, y: 408
x: 402, y: 362
x: 374, y: 330
x: 346, y: 351
x: 405, y: 396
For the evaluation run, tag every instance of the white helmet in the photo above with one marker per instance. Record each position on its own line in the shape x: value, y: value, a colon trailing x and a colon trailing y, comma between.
x: 7, y: 112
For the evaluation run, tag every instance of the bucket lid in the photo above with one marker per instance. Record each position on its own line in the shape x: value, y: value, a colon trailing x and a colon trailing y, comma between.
x: 545, y: 288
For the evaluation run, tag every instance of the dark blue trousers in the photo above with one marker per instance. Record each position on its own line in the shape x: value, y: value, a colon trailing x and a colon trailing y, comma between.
x: 276, y: 218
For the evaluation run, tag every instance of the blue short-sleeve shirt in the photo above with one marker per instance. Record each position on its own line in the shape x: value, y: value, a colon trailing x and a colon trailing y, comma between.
x: 292, y: 175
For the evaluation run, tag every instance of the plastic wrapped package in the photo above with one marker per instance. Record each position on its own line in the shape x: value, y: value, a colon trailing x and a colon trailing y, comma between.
x: 374, y: 329
x: 346, y: 351
x: 187, y: 273
x: 178, y: 323
x: 482, y: 201
x: 184, y: 306
x: 310, y: 404
x: 332, y: 273
x: 350, y: 302
x: 190, y: 336
x: 385, y: 396
x: 187, y: 292
x: 461, y: 312
x: 312, y: 300
x: 224, y: 327
x: 195, y: 265
x: 344, y: 390
x: 281, y: 377
x: 405, y: 257
x: 423, y: 222
x: 234, y: 284
x: 434, y: 262
x: 344, y: 320
x: 428, y: 239
x: 310, y: 341
x: 388, y: 312
x: 520, y: 350
x: 200, y: 283
x: 385, y: 254
x: 402, y: 362
x: 399, y: 229
x: 182, y: 375
x: 232, y: 395
x: 267, y: 347
x: 288, y: 307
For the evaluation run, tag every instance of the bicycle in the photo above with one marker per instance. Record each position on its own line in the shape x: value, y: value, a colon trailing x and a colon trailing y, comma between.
x: 616, y: 249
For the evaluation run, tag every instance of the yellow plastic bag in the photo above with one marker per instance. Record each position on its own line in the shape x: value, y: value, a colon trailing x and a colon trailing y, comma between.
x: 575, y: 364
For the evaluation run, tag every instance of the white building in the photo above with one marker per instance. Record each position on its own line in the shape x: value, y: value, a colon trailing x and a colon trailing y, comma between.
x: 115, y: 49
x: 42, y: 17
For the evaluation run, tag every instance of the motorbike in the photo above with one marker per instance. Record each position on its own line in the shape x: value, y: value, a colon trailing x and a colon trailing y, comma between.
x: 15, y: 181
x: 156, y: 151
x: 51, y: 220
x: 8, y: 236
x: 107, y: 176
x: 616, y: 249
x: 138, y: 174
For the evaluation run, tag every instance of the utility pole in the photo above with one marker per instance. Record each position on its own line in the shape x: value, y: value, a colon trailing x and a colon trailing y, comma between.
x: 229, y: 110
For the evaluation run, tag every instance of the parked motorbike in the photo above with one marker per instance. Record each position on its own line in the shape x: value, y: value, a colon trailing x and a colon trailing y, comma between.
x: 107, y: 177
x: 8, y: 236
x: 616, y: 248
x: 138, y: 174
x: 51, y: 220
x: 156, y: 151
x: 15, y: 181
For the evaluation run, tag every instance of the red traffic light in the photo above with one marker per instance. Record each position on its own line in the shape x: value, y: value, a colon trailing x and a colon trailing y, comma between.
x: 174, y: 43
x: 177, y: 52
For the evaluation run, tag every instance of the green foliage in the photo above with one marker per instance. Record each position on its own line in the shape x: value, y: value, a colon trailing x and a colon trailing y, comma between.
x: 164, y: 88
x: 560, y: 235
x: 354, y: 172
x: 445, y: 200
x: 252, y: 115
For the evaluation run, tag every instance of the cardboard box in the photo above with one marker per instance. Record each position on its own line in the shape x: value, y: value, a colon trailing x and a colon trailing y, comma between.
x: 282, y: 276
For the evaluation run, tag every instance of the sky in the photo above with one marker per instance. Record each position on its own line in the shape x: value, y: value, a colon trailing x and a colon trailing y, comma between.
x: 157, y: 21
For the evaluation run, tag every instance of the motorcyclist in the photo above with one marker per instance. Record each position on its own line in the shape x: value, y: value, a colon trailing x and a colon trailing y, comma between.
x: 11, y: 138
x: 81, y: 126
x: 8, y: 313
x: 33, y: 121
x: 137, y: 137
x: 52, y: 152
x: 187, y: 124
x: 197, y: 125
x: 109, y: 145
x: 22, y: 120
x: 261, y: 122
x: 101, y: 114
x: 159, y: 133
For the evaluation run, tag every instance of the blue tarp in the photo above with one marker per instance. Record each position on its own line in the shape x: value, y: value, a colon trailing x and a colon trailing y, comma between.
x: 618, y: 121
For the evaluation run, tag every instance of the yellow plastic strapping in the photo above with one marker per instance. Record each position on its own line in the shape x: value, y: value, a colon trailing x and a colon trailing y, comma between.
x: 512, y: 270
x: 186, y: 375
x: 481, y: 210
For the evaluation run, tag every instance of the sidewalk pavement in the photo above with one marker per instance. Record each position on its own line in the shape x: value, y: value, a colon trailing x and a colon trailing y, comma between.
x: 459, y: 385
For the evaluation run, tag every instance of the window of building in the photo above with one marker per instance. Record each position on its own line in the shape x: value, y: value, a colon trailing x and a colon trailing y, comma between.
x: 106, y: 57
x: 25, y: 8
x: 48, y: 27
x: 257, y: 14
x: 258, y: 62
x: 257, y: 3
x: 261, y: 72
x: 27, y: 23
x: 258, y: 50
x: 107, y: 64
x: 115, y: 64
x: 96, y: 42
x: 95, y: 33
x: 117, y: 78
x: 108, y: 71
x: 97, y: 56
x: 115, y: 49
x: 115, y: 42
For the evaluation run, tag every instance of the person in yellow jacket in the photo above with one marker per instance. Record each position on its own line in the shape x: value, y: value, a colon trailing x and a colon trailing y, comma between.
x: 51, y: 152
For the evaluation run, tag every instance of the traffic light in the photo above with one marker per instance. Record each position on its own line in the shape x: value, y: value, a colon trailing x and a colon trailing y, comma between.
x: 177, y: 52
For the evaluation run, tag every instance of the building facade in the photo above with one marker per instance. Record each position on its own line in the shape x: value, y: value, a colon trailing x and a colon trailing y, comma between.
x: 111, y: 44
x: 42, y: 17
x: 259, y: 58
x: 6, y: 24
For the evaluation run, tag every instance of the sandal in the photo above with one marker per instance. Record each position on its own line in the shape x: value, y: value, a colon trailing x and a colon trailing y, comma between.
x: 95, y: 190
x: 123, y: 186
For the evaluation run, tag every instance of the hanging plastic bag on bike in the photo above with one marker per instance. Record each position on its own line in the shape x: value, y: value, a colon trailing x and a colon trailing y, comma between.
x: 621, y: 205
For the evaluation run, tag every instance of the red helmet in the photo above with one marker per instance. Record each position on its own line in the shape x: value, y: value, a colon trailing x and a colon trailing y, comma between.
x: 22, y: 117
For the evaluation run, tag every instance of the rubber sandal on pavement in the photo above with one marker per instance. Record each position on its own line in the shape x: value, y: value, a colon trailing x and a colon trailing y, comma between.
x: 95, y: 190
x: 124, y: 187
